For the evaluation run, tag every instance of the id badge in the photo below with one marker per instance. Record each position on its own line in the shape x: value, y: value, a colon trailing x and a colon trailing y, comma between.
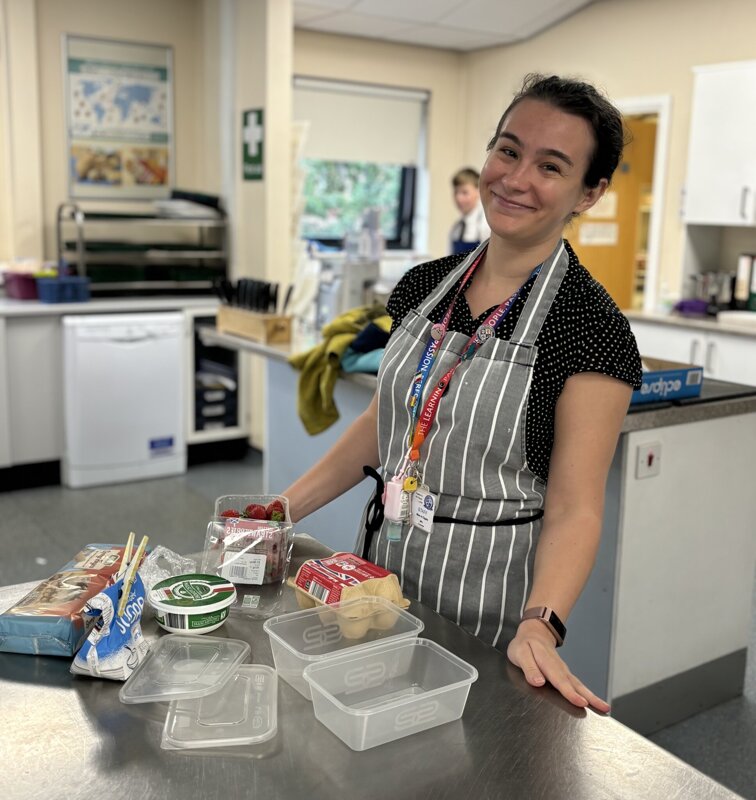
x: 423, y: 508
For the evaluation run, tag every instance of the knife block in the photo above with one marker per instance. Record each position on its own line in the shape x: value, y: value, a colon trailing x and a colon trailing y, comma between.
x: 255, y: 325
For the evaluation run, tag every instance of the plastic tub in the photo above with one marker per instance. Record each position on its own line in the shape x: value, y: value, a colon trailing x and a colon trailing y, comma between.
x: 243, y: 712
x: 308, y: 637
x: 376, y: 695
x: 63, y: 289
x: 20, y: 285
x: 193, y: 603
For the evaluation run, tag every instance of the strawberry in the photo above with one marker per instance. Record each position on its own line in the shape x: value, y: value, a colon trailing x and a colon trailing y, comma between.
x: 275, y: 511
x: 231, y: 512
x: 255, y: 511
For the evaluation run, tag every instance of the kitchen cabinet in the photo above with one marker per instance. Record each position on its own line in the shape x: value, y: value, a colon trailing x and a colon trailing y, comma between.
x: 724, y: 357
x: 33, y: 357
x: 31, y: 376
x: 721, y: 175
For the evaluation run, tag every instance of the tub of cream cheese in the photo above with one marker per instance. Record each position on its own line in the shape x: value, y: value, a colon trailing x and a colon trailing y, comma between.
x: 192, y: 603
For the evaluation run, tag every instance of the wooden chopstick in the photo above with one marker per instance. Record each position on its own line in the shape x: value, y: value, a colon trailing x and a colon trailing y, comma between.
x: 131, y: 572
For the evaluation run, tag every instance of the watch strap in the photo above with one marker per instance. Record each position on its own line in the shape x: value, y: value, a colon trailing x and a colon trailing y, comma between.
x: 550, y: 619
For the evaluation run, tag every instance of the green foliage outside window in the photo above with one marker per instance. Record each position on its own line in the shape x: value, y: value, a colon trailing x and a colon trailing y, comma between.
x: 337, y: 193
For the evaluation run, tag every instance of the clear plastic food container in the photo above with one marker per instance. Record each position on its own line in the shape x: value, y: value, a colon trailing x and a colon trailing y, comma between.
x: 379, y: 694
x: 243, y: 712
x: 183, y: 666
x: 310, y: 636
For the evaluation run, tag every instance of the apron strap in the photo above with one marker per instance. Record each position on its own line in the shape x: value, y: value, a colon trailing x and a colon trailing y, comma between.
x: 374, y: 510
x: 541, y: 296
x: 496, y: 523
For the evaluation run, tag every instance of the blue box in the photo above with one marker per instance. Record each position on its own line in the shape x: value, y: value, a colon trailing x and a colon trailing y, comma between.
x: 63, y: 289
x: 667, y: 380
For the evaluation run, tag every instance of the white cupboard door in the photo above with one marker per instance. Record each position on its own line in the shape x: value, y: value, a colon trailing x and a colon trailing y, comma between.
x: 720, y: 187
x: 685, y: 345
x: 731, y: 358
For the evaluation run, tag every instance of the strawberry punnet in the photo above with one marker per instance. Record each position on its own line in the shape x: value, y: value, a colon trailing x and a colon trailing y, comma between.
x: 255, y: 511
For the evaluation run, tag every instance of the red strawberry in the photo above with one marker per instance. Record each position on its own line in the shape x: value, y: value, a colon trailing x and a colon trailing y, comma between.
x: 255, y: 511
x: 231, y: 512
x: 275, y: 511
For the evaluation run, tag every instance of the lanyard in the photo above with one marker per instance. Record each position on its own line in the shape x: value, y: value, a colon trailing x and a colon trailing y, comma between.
x: 422, y: 422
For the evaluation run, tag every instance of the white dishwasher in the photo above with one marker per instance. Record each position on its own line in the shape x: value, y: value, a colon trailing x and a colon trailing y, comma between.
x: 123, y: 397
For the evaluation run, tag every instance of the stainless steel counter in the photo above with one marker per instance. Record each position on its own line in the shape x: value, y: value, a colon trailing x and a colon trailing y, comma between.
x: 61, y: 736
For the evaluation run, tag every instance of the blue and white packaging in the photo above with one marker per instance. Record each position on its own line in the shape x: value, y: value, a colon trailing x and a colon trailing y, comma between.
x: 667, y: 380
x: 115, y: 645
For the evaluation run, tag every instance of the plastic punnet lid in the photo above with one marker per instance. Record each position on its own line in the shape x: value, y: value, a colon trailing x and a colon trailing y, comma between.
x: 192, y: 594
x: 183, y: 666
x: 244, y: 711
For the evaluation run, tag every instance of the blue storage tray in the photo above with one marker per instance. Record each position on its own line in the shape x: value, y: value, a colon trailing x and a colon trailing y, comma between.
x: 65, y: 289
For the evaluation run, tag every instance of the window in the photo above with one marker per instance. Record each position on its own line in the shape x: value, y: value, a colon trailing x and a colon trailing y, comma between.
x: 338, y: 193
x: 362, y: 149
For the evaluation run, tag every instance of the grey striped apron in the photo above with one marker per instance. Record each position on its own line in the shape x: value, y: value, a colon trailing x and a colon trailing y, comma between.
x: 474, y: 459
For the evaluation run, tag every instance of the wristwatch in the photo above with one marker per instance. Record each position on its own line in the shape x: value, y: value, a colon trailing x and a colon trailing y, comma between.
x: 550, y: 620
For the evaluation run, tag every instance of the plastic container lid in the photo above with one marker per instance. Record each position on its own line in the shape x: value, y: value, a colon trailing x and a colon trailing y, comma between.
x: 243, y: 712
x: 183, y: 666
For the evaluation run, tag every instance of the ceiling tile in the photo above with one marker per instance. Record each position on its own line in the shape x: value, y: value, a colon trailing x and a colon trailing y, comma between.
x: 346, y: 22
x: 307, y: 11
x: 448, y: 38
x: 411, y: 10
x: 495, y: 16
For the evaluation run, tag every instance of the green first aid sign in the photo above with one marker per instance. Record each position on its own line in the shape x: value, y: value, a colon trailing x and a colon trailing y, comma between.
x: 253, y: 132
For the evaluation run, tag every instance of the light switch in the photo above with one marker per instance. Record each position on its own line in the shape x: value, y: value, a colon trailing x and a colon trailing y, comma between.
x: 648, y: 463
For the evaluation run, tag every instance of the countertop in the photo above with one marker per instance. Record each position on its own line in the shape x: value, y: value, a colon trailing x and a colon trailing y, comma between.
x: 717, y: 399
x: 64, y: 735
x: 10, y: 307
x: 711, y: 324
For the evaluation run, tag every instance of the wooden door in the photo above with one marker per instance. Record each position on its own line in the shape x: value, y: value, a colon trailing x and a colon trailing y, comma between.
x: 608, y: 238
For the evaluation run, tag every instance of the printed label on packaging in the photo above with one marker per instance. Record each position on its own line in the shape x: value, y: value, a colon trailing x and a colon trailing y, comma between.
x: 98, y: 559
x: 325, y: 578
x: 423, y: 509
x: 251, y: 601
x: 244, y: 568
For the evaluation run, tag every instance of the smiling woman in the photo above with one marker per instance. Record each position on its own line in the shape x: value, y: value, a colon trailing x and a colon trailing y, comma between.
x: 500, y: 398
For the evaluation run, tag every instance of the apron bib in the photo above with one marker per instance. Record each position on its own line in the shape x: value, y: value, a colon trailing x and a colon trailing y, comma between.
x: 475, y: 572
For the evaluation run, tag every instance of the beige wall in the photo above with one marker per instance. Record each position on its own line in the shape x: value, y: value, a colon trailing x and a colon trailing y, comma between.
x: 631, y: 48
x: 170, y: 22
x: 441, y: 72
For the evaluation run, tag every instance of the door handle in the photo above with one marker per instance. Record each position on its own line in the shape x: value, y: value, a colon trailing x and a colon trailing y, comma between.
x: 744, y: 192
x: 694, y: 350
x: 710, y: 353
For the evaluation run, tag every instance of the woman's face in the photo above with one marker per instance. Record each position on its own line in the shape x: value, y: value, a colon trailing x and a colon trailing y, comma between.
x: 532, y: 180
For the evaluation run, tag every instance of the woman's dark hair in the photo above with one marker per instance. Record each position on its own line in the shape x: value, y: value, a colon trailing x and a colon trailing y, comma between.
x: 582, y: 100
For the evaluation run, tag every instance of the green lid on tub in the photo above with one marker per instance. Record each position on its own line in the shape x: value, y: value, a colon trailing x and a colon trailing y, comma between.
x: 193, y: 592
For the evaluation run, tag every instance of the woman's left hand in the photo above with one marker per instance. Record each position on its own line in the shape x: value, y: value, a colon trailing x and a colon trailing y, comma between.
x: 533, y: 650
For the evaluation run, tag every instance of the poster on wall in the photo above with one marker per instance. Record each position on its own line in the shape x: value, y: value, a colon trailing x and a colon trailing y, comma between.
x: 119, y: 119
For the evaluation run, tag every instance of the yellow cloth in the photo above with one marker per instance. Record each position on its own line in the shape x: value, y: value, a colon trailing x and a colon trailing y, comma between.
x: 320, y: 366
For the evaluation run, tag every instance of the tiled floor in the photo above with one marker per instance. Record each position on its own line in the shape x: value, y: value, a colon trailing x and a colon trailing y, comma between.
x: 40, y: 529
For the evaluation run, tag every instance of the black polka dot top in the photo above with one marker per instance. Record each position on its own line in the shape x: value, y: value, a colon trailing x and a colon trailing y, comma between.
x: 584, y: 331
